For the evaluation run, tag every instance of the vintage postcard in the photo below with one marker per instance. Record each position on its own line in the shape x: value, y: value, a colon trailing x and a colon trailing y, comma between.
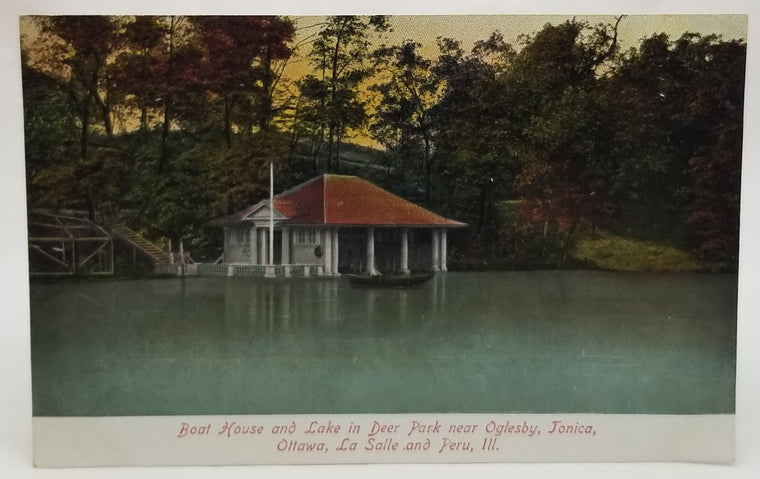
x: 302, y: 239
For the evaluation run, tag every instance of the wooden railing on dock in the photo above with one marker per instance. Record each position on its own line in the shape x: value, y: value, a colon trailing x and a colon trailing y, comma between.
x: 67, y: 245
x: 140, y: 244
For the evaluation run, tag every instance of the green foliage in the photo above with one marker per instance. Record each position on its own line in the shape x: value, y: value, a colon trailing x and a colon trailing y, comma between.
x: 330, y: 100
x: 408, y: 91
x: 170, y: 122
x: 50, y: 140
x: 686, y: 97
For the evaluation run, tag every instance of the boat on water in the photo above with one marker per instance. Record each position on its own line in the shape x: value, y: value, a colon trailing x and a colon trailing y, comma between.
x: 391, y: 279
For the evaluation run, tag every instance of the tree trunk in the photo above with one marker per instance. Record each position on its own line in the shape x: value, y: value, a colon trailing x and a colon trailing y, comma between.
x: 330, y: 142
x: 167, y: 101
x: 164, y: 138
x: 333, y: 95
x: 337, y: 152
x: 84, y: 135
x: 227, y: 122
x: 428, y: 174
x: 483, y: 213
x: 294, y: 133
x: 266, y: 97
x: 249, y: 121
x: 144, y: 117
x: 105, y: 111
x: 545, y: 238
x: 568, y: 240
x: 315, y: 152
x: 84, y: 144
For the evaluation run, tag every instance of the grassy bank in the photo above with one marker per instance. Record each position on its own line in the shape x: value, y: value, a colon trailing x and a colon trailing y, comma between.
x: 606, y: 250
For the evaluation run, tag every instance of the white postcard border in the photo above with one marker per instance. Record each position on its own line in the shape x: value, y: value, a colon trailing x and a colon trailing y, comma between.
x: 15, y: 434
x: 381, y: 438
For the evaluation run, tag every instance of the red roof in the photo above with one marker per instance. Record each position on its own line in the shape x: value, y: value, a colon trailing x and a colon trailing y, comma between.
x: 346, y: 201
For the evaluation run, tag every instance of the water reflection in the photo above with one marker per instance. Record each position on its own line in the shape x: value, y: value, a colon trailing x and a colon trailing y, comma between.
x: 258, y: 307
x: 532, y: 341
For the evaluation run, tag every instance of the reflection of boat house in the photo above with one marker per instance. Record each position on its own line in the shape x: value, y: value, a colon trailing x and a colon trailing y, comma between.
x: 335, y: 224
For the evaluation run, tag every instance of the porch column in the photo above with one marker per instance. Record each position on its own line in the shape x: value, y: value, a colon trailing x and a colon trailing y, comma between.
x: 266, y: 253
x: 443, y: 250
x: 327, y: 253
x: 335, y: 252
x: 262, y: 245
x: 405, y: 250
x: 285, y: 246
x: 434, y: 246
x: 252, y: 247
x: 227, y: 249
x: 371, y: 252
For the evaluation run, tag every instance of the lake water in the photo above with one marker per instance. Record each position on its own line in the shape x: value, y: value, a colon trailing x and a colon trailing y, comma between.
x: 464, y: 342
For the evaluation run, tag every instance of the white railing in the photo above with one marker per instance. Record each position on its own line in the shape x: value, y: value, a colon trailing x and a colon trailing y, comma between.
x: 168, y: 268
x: 255, y: 270
x: 248, y: 270
x: 211, y: 269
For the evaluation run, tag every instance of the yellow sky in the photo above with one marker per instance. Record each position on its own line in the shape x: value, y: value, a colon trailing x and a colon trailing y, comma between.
x: 468, y: 29
x: 471, y: 28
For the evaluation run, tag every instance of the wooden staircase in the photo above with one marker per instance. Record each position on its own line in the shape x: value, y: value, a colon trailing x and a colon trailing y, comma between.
x: 140, y: 244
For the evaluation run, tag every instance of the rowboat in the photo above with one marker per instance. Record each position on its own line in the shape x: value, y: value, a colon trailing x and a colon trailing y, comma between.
x: 391, y: 279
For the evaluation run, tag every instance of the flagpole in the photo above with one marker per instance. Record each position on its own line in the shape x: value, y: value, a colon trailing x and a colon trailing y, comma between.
x: 271, y: 213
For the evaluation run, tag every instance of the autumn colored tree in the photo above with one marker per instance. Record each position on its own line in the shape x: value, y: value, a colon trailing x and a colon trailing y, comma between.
x: 157, y: 70
x: 715, y: 169
x: 680, y: 161
x: 75, y: 50
x: 174, y: 119
x: 564, y: 139
x: 240, y: 54
x: 279, y: 34
x: 137, y: 71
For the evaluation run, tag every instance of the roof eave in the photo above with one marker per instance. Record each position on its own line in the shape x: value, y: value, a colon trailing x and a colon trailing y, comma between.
x: 374, y: 225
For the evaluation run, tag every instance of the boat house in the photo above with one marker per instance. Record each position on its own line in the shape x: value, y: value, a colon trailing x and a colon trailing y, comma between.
x: 334, y: 224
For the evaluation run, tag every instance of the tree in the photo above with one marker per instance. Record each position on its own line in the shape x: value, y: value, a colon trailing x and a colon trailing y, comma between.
x: 51, y: 136
x: 75, y: 52
x: 137, y: 71
x: 239, y: 65
x: 564, y: 138
x: 403, y: 121
x: 680, y: 160
x: 340, y: 54
x: 156, y: 69
x: 474, y: 133
x: 715, y: 168
x: 181, y: 81
x: 568, y: 175
x: 310, y: 118
x: 279, y: 33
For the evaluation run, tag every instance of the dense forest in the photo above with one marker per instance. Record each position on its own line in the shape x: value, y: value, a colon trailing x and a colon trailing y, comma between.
x: 560, y: 139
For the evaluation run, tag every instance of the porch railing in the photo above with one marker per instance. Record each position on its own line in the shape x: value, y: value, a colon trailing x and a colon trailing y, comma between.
x: 255, y: 270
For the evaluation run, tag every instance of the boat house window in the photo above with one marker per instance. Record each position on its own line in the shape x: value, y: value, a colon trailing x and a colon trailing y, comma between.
x: 306, y: 236
x: 239, y: 236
